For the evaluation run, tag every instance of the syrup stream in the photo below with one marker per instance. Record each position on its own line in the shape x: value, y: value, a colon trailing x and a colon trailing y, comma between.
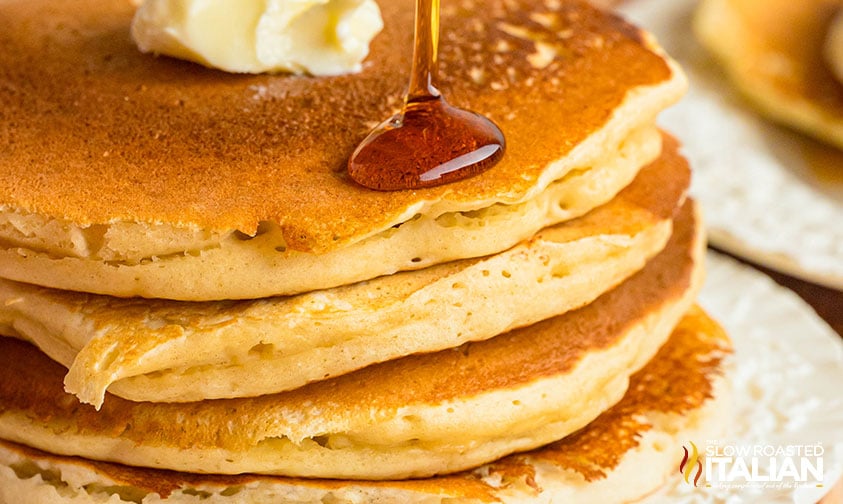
x: 430, y: 142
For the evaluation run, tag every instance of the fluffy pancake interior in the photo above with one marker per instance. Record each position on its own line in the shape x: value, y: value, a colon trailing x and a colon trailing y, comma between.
x: 198, y: 265
x: 419, y: 415
x: 600, y: 462
x: 169, y: 351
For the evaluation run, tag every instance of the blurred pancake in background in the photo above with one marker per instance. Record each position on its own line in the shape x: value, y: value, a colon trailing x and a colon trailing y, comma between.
x: 771, y: 195
x: 782, y: 55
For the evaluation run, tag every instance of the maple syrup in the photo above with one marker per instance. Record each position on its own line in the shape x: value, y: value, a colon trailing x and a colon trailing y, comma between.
x: 429, y: 142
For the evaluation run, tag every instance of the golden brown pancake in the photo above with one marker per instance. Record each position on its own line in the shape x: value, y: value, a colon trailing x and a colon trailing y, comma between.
x: 146, y: 139
x: 420, y: 415
x: 104, y: 145
x: 773, y: 51
x: 601, y: 462
x: 145, y: 350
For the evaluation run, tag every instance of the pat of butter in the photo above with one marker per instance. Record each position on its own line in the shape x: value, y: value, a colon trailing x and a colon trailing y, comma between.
x: 318, y: 37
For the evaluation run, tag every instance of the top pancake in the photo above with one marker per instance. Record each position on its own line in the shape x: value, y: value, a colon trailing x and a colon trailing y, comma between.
x: 94, y: 132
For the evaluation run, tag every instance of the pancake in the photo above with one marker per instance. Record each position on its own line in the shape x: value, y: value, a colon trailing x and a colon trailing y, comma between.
x: 411, y: 417
x: 146, y: 350
x: 600, y: 463
x: 833, y: 45
x: 774, y: 53
x: 131, y: 175
x: 214, y: 268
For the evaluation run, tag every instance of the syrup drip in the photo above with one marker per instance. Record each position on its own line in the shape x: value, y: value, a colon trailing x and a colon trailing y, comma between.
x: 429, y: 142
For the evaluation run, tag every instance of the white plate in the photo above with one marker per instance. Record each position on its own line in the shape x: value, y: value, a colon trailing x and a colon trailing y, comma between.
x: 770, y: 195
x: 787, y: 377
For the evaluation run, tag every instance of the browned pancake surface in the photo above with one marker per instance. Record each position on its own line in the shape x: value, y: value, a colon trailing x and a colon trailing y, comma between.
x: 679, y: 379
x: 94, y: 131
x: 30, y: 383
x: 659, y: 188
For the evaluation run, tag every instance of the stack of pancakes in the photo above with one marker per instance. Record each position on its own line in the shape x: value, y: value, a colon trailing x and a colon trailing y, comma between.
x: 198, y: 303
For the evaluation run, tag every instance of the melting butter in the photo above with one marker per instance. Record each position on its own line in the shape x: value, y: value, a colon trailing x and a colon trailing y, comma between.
x: 317, y: 37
